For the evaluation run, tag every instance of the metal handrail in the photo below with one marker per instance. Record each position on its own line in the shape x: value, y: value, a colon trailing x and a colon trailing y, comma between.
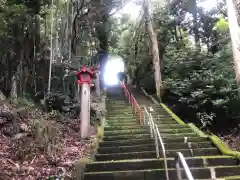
x: 132, y: 101
x: 155, y: 134
x: 180, y: 159
x: 154, y: 131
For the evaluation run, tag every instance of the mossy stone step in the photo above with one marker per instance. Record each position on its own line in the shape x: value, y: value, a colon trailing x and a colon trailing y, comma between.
x: 183, y: 139
x: 121, y: 149
x: 194, y: 145
x: 134, y: 127
x: 114, y: 132
x: 124, y: 156
x: 164, y: 135
x: 141, y: 130
x: 128, y: 142
x: 157, y: 164
x: 110, y: 127
x: 156, y: 174
x: 152, y: 154
x: 163, y: 113
x: 166, y: 122
x: 165, y: 118
x: 174, y: 126
x: 118, y: 111
x: 121, y: 119
x: 176, y: 131
x: 124, y: 137
x: 121, y: 116
x: 117, y: 117
x: 116, y: 124
x: 118, y: 105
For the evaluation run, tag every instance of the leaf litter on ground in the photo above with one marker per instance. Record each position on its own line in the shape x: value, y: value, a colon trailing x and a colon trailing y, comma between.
x: 36, y: 146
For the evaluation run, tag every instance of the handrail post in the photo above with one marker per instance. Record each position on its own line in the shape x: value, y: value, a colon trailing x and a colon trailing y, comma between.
x: 156, y: 144
x: 144, y: 116
x: 140, y: 116
x: 179, y: 174
x: 180, y: 159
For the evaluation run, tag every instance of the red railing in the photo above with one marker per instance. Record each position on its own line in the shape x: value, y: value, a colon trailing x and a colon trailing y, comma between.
x: 132, y: 101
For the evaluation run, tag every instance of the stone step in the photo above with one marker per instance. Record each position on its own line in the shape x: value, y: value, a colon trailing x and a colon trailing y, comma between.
x: 132, y: 131
x: 114, y: 117
x: 122, y: 116
x: 126, y: 142
x: 120, y: 111
x: 156, y: 174
x: 140, y: 164
x: 159, y: 122
x: 132, y: 148
x: 116, y: 128
x: 162, y: 118
x: 141, y: 130
x: 133, y: 136
x: 170, y: 142
x: 126, y: 119
x: 125, y: 156
x: 152, y: 154
x: 150, y: 145
x: 193, y: 145
x: 137, y: 126
x: 163, y: 113
x: 125, y: 137
x: 122, y: 121
x: 114, y: 124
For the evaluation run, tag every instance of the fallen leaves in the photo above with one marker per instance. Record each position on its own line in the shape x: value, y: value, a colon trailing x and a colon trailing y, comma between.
x: 24, y: 157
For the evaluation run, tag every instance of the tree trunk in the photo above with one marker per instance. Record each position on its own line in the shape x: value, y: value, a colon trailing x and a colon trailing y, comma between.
x: 234, y: 32
x: 195, y: 26
x: 154, y: 49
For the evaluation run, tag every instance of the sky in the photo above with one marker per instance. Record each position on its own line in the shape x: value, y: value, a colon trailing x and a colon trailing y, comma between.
x: 133, y: 10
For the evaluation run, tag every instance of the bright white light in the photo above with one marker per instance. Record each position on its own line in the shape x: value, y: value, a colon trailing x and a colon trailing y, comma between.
x: 208, y: 4
x: 113, y: 67
x: 130, y: 8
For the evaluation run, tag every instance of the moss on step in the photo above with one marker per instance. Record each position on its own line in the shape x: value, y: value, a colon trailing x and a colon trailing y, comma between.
x: 197, y: 130
x: 223, y: 147
x: 160, y: 169
x: 179, y: 130
x: 231, y: 177
x: 100, y: 132
x: 160, y: 159
x: 225, y: 150
x: 109, y: 172
x: 211, y: 157
x: 128, y: 160
x: 128, y: 136
x: 174, y: 116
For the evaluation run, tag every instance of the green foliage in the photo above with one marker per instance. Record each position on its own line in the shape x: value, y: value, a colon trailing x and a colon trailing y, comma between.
x: 222, y: 25
x: 203, y: 82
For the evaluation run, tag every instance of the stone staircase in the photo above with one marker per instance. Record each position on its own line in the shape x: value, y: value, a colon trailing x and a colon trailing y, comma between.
x: 127, y: 151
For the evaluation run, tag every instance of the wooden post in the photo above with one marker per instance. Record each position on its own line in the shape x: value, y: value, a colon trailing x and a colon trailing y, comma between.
x: 85, y: 110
